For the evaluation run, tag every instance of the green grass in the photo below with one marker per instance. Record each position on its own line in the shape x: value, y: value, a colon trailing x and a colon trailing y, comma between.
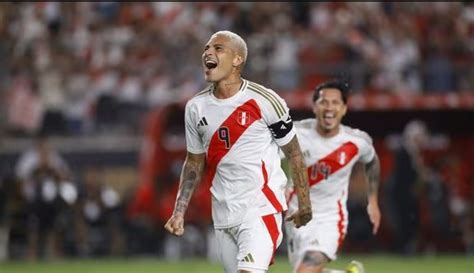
x: 373, y: 264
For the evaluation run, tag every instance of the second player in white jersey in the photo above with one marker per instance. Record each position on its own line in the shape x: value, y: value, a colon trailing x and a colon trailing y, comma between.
x: 329, y: 164
x: 333, y: 152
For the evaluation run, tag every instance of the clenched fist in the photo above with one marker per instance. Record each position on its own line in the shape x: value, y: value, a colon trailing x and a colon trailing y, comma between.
x: 175, y: 225
x: 302, y: 216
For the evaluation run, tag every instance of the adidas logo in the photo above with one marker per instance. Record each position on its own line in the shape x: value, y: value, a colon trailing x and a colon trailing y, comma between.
x: 248, y: 258
x: 202, y: 122
x: 283, y: 127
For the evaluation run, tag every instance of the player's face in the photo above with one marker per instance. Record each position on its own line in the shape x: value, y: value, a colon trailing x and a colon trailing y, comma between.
x: 329, y: 110
x: 219, y: 59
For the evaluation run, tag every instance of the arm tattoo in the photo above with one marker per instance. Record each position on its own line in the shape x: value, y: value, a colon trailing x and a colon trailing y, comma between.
x: 190, y: 177
x: 373, y: 174
x: 297, y: 166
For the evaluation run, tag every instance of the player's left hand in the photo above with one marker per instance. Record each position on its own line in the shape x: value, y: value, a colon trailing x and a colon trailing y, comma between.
x: 374, y: 216
x: 175, y: 225
x: 302, y: 216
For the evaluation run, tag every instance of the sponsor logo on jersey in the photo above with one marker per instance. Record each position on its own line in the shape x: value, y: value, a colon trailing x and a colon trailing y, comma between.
x: 248, y: 258
x: 314, y: 242
x: 202, y: 122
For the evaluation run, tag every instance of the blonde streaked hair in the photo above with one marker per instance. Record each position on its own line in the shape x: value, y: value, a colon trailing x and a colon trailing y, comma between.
x: 237, y: 41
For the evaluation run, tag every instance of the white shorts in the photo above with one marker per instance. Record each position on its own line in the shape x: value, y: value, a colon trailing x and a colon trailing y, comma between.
x: 322, y: 236
x: 251, y: 245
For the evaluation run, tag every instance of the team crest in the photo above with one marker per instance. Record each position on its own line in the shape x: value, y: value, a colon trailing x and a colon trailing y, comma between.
x: 342, y: 158
x: 243, y: 118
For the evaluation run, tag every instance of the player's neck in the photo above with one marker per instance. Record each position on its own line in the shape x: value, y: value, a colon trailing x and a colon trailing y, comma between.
x: 328, y: 133
x: 227, y: 88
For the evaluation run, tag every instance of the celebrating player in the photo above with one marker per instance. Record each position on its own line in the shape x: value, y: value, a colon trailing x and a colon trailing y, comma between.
x: 234, y: 129
x: 332, y: 152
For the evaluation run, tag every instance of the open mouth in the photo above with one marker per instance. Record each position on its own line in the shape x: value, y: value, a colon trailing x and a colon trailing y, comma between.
x: 328, y: 117
x: 210, y: 64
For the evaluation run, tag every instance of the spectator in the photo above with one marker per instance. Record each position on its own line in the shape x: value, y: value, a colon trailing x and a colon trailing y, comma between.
x: 48, y: 192
x: 403, y: 186
x: 100, y: 219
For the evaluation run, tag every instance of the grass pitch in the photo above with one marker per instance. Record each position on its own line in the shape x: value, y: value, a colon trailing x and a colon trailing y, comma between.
x: 372, y: 263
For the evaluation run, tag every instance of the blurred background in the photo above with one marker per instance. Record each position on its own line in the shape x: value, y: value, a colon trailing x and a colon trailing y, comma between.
x: 92, y: 105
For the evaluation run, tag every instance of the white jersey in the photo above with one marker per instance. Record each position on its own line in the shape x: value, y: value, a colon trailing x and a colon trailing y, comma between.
x: 241, y: 136
x: 329, y: 164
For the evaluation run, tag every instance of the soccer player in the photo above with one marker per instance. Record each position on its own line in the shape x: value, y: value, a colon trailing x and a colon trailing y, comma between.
x: 234, y: 129
x: 332, y: 152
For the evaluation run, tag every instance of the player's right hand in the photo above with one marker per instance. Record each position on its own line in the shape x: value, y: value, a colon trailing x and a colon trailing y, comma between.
x: 175, y: 225
x: 302, y: 216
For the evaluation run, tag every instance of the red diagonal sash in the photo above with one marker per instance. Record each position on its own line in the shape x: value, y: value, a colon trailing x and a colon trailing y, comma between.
x: 331, y: 163
x: 219, y: 148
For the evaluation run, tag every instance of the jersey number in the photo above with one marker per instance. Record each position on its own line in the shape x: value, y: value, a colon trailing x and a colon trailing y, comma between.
x: 224, y: 136
x: 321, y: 168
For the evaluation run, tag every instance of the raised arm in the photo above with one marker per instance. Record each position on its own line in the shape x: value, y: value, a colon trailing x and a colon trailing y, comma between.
x: 297, y: 166
x: 372, y: 169
x: 190, y: 176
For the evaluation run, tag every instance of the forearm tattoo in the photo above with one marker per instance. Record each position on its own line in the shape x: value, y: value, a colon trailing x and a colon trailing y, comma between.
x: 372, y: 170
x: 297, y: 166
x: 190, y: 177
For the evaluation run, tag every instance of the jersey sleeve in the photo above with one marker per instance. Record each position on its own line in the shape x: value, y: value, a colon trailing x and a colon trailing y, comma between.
x: 367, y: 149
x: 277, y: 117
x: 194, y: 143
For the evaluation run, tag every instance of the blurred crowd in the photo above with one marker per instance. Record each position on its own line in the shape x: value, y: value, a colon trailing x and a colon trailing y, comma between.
x: 48, y: 211
x: 79, y: 68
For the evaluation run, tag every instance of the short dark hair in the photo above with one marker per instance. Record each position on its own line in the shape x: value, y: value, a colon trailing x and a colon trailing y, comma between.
x: 340, y: 85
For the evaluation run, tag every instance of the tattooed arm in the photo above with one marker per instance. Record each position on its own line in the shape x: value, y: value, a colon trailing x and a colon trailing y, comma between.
x: 190, y: 177
x: 372, y: 170
x: 297, y: 166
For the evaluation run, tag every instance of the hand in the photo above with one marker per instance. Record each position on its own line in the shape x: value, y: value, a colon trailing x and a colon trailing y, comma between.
x: 302, y: 216
x: 175, y: 225
x: 374, y: 215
